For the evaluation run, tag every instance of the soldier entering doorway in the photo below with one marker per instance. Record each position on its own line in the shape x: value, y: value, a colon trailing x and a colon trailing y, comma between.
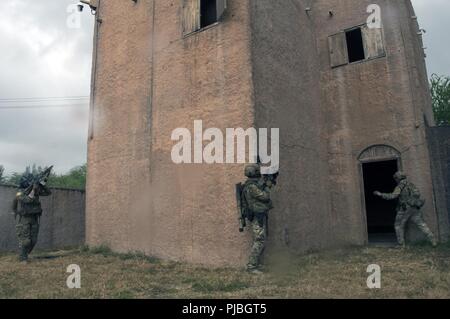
x: 409, y: 207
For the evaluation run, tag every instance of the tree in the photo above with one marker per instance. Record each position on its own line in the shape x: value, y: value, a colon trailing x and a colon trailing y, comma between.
x: 75, y: 178
x: 13, y: 179
x: 440, y: 93
x: 2, y: 170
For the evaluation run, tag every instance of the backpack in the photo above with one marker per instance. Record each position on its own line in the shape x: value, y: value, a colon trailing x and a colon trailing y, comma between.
x: 414, y: 197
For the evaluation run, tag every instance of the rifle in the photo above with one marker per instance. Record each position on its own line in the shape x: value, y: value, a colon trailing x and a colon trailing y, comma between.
x: 240, y: 208
x: 40, y: 179
x: 271, y: 178
x: 268, y: 177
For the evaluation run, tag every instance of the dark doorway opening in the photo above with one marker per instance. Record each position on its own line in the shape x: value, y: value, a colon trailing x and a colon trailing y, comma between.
x: 355, y: 46
x: 378, y: 176
x: 208, y: 13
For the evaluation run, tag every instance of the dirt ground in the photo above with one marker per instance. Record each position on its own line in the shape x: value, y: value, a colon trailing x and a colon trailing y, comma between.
x: 415, y: 272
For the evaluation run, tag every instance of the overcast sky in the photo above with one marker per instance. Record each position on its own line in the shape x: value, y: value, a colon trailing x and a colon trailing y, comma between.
x: 41, y: 58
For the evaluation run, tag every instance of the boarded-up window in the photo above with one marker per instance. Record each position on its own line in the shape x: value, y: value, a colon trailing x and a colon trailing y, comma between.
x: 338, y: 49
x: 198, y: 14
x: 191, y: 16
x: 373, y: 42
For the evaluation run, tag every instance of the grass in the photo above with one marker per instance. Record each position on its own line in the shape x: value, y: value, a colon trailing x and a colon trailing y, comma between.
x: 416, y: 272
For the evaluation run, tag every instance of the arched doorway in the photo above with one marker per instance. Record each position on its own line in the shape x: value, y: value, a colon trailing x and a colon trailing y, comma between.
x: 378, y: 164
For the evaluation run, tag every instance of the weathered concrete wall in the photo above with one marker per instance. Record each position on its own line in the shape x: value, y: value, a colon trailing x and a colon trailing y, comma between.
x: 150, y: 81
x: 119, y: 151
x: 439, y: 143
x: 287, y: 96
x: 62, y: 222
x: 374, y: 102
x: 266, y: 64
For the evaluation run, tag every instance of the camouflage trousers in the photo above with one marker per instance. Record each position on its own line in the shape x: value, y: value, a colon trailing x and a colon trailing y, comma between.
x: 27, y: 230
x: 415, y: 216
x: 259, y: 232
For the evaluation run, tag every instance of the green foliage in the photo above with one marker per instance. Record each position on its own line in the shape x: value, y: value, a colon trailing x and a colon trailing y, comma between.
x: 101, y: 250
x: 440, y: 93
x: 75, y: 178
x: 106, y: 251
x: 13, y: 179
x: 208, y: 285
x: 2, y: 170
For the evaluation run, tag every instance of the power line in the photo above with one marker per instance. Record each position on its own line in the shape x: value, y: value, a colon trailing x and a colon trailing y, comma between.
x: 42, y: 102
x: 43, y: 99
x: 21, y: 107
x: 21, y: 103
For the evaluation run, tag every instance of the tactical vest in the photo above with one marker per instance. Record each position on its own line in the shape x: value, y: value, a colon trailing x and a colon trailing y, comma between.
x: 254, y: 205
x: 28, y: 208
x: 410, y: 196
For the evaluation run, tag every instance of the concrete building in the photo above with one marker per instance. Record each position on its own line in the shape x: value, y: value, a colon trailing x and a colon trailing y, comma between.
x: 352, y: 104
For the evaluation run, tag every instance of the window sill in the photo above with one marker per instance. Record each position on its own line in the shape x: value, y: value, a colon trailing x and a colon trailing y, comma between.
x: 360, y: 62
x: 368, y: 60
x: 215, y: 24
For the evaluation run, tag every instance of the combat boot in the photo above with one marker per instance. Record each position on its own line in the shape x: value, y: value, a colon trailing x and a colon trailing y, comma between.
x: 255, y: 271
x: 23, y: 257
x: 434, y: 243
x: 252, y: 269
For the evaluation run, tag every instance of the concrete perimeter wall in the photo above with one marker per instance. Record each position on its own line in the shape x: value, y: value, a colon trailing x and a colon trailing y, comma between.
x: 439, y: 143
x: 62, y: 223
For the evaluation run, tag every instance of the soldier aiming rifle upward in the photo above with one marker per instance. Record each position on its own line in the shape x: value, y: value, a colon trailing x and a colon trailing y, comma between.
x: 27, y: 207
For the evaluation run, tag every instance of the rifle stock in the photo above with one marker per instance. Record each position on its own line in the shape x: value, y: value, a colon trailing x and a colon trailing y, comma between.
x: 240, y: 209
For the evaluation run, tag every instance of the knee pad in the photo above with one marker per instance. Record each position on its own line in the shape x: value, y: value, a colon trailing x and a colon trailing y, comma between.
x: 26, y: 243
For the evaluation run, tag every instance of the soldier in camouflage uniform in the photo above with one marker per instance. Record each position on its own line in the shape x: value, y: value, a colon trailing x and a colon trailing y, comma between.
x: 256, y: 197
x: 408, y: 208
x: 27, y: 209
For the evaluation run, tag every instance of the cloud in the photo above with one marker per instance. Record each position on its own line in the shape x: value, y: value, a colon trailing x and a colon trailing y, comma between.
x: 42, y: 57
x: 433, y: 17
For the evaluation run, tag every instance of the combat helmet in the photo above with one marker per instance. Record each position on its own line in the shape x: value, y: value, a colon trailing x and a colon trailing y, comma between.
x: 399, y: 176
x: 252, y: 170
x: 26, y: 180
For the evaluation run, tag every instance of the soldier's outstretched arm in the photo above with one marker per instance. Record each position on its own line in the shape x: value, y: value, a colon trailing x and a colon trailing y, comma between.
x: 391, y: 196
x: 255, y: 192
